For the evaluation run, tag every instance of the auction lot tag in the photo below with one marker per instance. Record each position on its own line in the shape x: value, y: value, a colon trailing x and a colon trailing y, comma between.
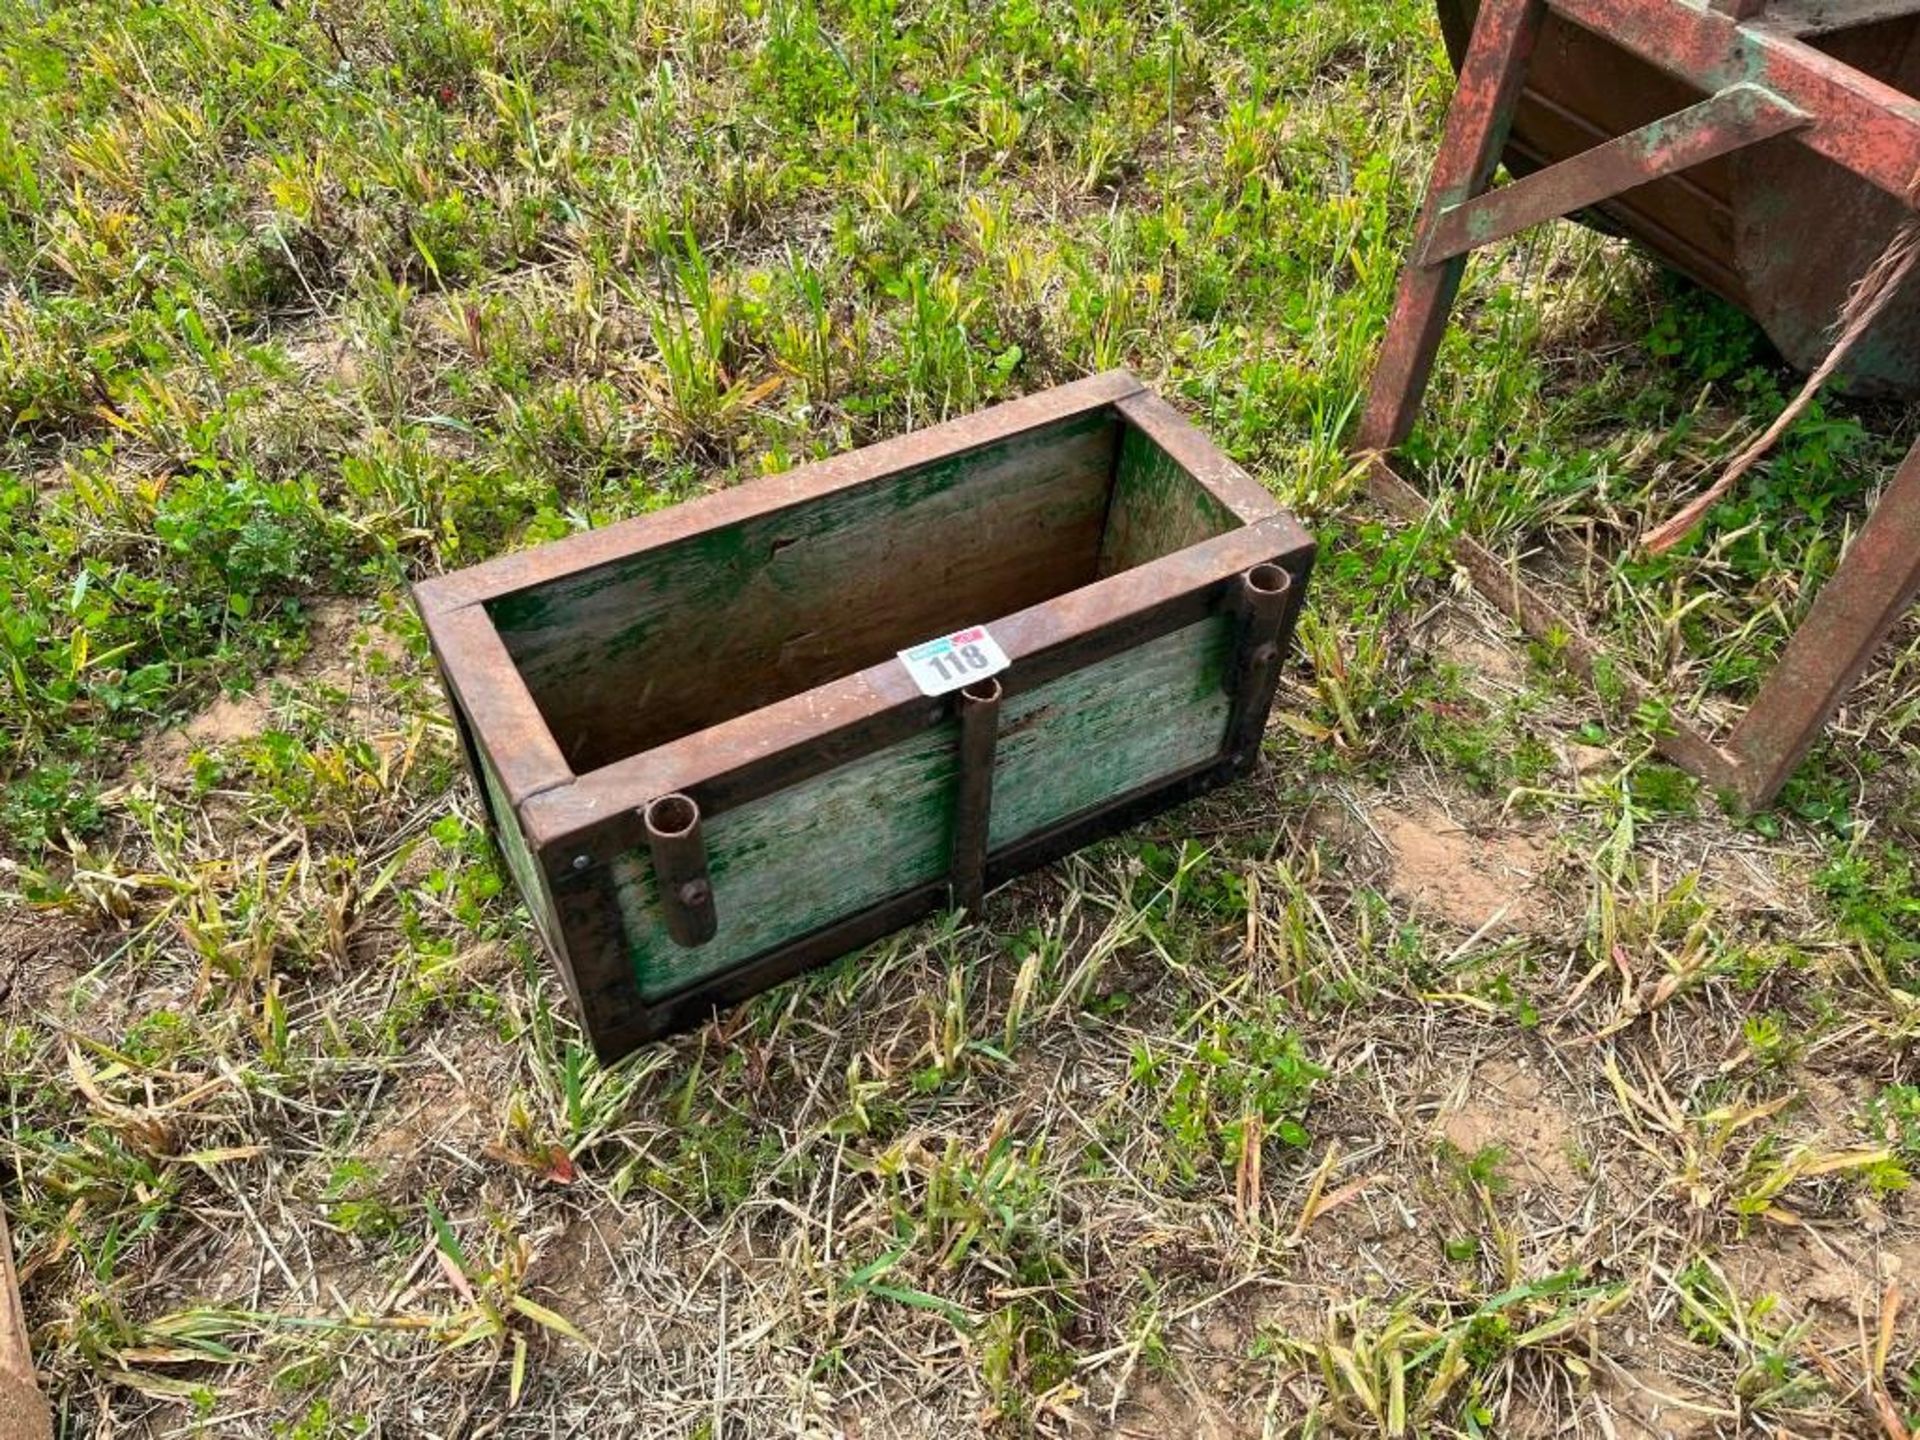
x: 952, y: 661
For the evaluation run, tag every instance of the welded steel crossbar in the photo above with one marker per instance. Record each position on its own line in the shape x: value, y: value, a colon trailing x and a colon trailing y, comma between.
x: 1761, y: 82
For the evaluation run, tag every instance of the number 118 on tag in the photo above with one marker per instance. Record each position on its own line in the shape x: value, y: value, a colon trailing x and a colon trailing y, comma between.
x: 952, y: 661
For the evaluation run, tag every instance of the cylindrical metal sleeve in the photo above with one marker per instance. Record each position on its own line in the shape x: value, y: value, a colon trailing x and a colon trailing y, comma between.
x: 679, y: 853
x: 1262, y: 605
x: 979, y: 706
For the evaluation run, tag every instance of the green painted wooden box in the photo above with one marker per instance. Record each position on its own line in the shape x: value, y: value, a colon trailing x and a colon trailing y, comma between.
x: 707, y: 766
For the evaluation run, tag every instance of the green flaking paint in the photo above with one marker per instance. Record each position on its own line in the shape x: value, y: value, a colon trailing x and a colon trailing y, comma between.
x: 800, y: 859
x: 1157, y: 507
x: 1098, y: 733
x: 845, y: 841
x: 731, y: 552
x: 680, y: 638
x: 512, y: 844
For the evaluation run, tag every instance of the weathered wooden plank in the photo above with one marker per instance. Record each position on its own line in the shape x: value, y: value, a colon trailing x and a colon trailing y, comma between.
x: 1210, y: 468
x: 799, y: 859
x: 522, y: 866
x: 1157, y: 507
x: 1110, y: 728
x: 788, y: 864
x: 675, y: 639
x: 520, y: 570
x: 498, y: 715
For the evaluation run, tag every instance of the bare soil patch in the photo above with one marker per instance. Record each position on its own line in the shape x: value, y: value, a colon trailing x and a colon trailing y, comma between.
x: 1493, y: 665
x: 1640, y: 1401
x: 1833, y: 1280
x: 39, y: 951
x: 1160, y: 1410
x: 1468, y: 878
x: 1504, y: 1105
x: 338, y: 658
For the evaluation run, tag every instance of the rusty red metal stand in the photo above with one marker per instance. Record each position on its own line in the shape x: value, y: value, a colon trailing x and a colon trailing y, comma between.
x: 1760, y: 82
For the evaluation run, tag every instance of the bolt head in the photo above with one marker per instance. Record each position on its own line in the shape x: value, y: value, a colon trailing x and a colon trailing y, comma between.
x: 581, y: 862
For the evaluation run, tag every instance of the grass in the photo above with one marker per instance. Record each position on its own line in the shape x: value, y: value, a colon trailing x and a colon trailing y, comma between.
x: 1465, y: 1073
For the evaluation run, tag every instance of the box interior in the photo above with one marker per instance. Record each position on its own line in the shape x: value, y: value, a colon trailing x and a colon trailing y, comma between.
x: 657, y: 645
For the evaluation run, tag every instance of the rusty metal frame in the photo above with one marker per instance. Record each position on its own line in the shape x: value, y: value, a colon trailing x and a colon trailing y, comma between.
x: 1761, y: 82
x: 577, y: 825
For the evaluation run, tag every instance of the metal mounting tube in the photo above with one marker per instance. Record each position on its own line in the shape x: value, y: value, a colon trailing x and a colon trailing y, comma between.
x: 679, y: 852
x: 1261, y: 607
x: 979, y: 709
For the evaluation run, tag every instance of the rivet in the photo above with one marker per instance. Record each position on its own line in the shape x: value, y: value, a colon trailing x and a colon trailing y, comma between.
x: 581, y: 862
